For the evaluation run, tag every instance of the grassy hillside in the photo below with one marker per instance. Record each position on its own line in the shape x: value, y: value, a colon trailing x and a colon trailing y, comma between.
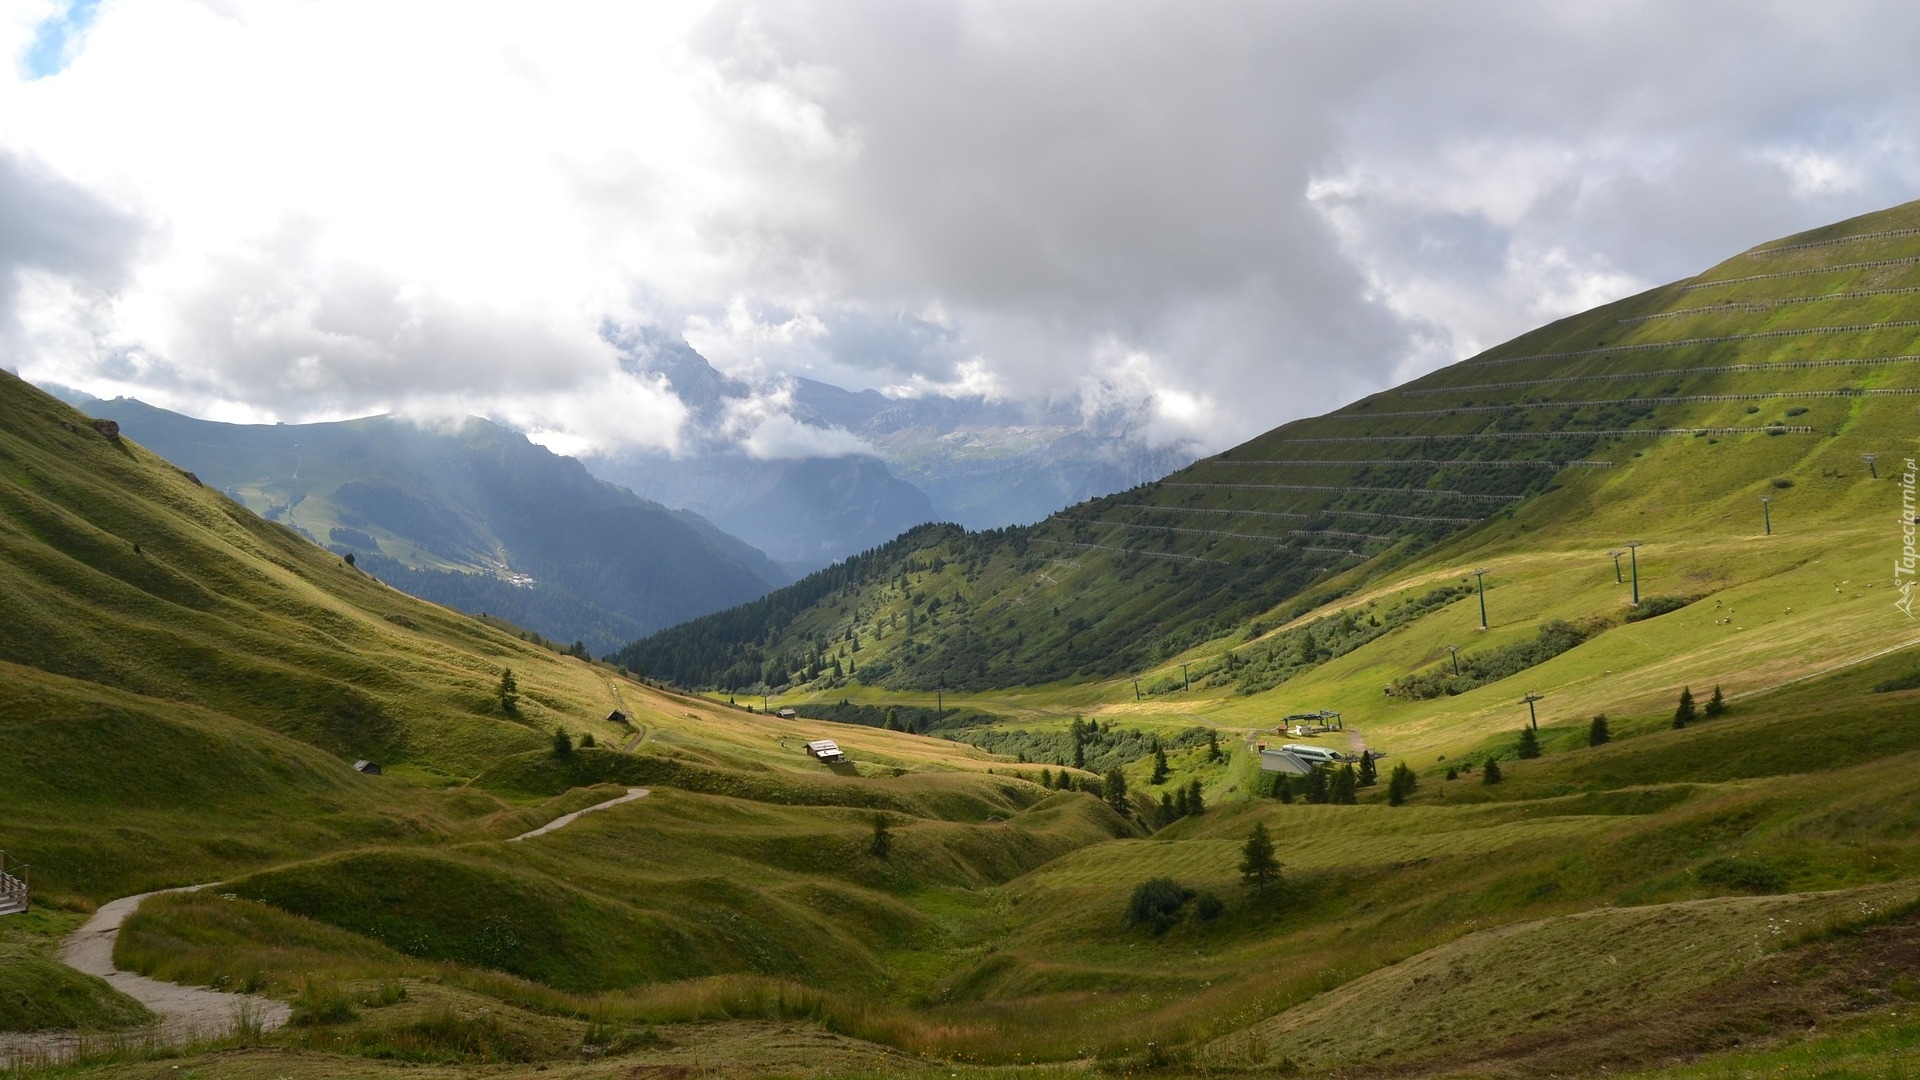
x: 1736, y: 894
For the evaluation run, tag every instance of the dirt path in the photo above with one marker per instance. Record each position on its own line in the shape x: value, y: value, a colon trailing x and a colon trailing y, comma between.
x: 185, y: 1012
x: 565, y: 820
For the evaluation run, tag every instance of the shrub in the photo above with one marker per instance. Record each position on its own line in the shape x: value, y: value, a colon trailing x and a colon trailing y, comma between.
x: 882, y: 844
x: 321, y: 1003
x: 1746, y: 875
x: 1781, y: 482
x: 562, y: 743
x: 1653, y: 607
x: 1156, y: 903
x: 1209, y: 907
x: 1491, y: 774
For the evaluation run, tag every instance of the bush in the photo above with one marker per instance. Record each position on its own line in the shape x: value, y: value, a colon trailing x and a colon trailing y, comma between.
x: 1745, y: 875
x: 1156, y: 904
x: 321, y: 1003
x: 1401, y: 783
x: 1491, y: 774
x: 1209, y: 907
x: 1653, y: 607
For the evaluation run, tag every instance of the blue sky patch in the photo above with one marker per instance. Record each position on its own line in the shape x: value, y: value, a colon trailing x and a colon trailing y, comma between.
x: 53, y: 41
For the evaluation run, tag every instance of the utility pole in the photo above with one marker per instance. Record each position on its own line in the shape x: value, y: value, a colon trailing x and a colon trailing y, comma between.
x: 1136, y: 688
x: 1455, y: 650
x: 1186, y: 682
x: 1481, y: 577
x: 1617, y: 579
x: 939, y: 703
x: 1766, y: 512
x: 1870, y: 459
x: 1633, y: 552
x: 1532, y: 717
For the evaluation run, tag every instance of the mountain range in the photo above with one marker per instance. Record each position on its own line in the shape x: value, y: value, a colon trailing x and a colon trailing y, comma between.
x: 469, y: 515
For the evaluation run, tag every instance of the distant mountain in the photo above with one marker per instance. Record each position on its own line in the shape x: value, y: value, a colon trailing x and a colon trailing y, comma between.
x: 977, y: 462
x: 474, y: 516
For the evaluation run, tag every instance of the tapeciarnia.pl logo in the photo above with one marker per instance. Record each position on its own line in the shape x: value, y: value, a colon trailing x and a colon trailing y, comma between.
x: 1903, y: 567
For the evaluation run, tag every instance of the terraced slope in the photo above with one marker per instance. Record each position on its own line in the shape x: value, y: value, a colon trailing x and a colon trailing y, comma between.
x: 1790, y: 361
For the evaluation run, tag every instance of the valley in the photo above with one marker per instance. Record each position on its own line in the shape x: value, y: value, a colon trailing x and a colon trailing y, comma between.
x: 1734, y: 892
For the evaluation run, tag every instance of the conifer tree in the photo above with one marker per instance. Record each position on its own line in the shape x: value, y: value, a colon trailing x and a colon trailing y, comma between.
x: 1160, y: 769
x: 1716, y: 704
x: 1213, y: 746
x: 1046, y: 778
x: 1196, y: 803
x: 1317, y: 785
x: 1116, y: 790
x: 1529, y: 743
x: 509, y: 692
x: 586, y: 741
x: 1597, y: 732
x: 1400, y: 784
x: 1369, y: 772
x: 1258, y: 867
x: 1685, y: 713
x: 1180, y: 807
x: 1168, y: 812
x: 1283, y: 787
x: 1342, y: 785
x: 1491, y: 774
x: 882, y: 844
x: 562, y: 743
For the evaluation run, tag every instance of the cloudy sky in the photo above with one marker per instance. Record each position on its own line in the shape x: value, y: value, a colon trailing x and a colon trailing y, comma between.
x: 1226, y: 214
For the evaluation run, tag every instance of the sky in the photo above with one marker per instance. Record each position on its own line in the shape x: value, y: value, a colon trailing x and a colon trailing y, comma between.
x: 1220, y: 216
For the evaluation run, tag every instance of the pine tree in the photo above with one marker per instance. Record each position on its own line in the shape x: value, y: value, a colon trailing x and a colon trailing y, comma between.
x: 1258, y: 867
x: 1116, y: 790
x: 1180, y: 807
x: 1716, y: 704
x: 1342, y: 785
x: 1168, y: 812
x: 1080, y: 753
x: 1491, y: 774
x: 1529, y: 743
x: 882, y: 844
x: 1196, y: 804
x: 562, y: 743
x: 586, y: 741
x: 1160, y: 769
x: 893, y: 718
x: 1400, y: 784
x: 1369, y: 773
x: 1597, y: 732
x: 1213, y: 746
x: 1317, y: 785
x: 1685, y: 713
x: 1283, y: 787
x: 509, y: 692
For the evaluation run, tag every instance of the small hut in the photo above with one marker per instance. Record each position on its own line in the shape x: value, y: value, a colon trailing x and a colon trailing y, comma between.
x: 370, y: 768
x: 617, y: 717
x: 826, y: 750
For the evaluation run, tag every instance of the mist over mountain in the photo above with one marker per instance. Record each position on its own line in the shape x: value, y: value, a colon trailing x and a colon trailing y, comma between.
x: 811, y: 472
x: 472, y: 515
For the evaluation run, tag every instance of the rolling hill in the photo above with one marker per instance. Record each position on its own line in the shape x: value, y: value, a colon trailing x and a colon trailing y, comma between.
x: 1736, y: 895
x: 473, y: 516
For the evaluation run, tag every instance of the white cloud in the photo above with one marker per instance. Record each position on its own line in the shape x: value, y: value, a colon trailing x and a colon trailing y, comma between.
x: 1206, y: 220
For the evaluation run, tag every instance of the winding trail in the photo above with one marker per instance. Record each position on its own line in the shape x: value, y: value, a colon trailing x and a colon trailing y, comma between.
x: 186, y: 1012
x: 565, y: 820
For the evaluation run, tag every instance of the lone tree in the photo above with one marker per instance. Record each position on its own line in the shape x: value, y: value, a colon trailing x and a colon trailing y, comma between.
x: 882, y: 843
x: 1685, y: 714
x: 1116, y: 790
x: 562, y: 743
x: 509, y: 692
x: 1491, y: 774
x: 1369, y: 773
x: 1258, y: 867
x: 1597, y: 732
x: 1529, y: 743
x: 1716, y: 704
x: 1213, y: 746
x: 1400, y: 784
x: 1160, y: 770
